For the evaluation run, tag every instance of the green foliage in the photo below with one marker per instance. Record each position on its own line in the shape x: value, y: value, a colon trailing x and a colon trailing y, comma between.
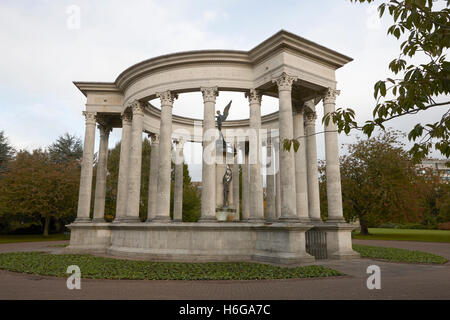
x: 6, y: 151
x: 34, y: 185
x: 108, y: 268
x: 419, y: 87
x: 378, y: 182
x: 66, y: 148
x: 398, y: 255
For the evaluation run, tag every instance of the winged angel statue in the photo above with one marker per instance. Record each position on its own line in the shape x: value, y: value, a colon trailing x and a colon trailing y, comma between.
x: 221, y: 118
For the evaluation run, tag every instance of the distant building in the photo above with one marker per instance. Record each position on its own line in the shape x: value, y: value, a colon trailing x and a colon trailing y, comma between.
x: 437, y: 166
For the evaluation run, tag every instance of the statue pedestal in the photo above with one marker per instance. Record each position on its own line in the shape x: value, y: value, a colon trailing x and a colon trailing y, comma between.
x: 225, y: 214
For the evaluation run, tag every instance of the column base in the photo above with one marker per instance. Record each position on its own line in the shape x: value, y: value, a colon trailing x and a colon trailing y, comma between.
x: 256, y: 220
x: 130, y: 220
x: 82, y: 220
x: 288, y: 219
x: 208, y: 219
x: 98, y: 220
x: 162, y: 219
x: 336, y: 220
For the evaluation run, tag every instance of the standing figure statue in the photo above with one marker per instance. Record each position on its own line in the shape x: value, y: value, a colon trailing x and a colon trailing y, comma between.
x: 227, y: 177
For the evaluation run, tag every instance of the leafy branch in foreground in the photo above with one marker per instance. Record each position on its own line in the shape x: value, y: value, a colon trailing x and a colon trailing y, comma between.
x: 419, y: 86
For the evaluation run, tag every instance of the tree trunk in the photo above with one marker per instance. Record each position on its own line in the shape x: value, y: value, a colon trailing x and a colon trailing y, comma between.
x: 46, y: 226
x: 364, y: 228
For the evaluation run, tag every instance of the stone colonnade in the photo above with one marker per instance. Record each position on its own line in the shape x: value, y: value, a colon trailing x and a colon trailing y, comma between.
x: 292, y: 194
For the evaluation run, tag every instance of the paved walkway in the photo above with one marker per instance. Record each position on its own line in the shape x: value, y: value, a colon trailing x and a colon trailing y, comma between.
x: 398, y: 281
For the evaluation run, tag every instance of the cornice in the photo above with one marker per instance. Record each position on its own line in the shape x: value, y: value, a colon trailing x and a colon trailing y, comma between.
x: 282, y: 40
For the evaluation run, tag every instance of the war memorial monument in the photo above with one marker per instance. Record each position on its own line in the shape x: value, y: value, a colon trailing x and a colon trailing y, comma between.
x: 288, y: 229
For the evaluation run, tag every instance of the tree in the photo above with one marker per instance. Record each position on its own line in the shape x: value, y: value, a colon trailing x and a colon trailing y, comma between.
x: 436, y: 199
x: 34, y: 185
x: 66, y: 149
x: 6, y: 151
x: 378, y: 182
x: 418, y: 86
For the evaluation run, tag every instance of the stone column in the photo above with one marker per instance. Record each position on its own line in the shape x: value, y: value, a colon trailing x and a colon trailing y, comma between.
x: 312, y: 170
x: 122, y: 183
x: 178, y: 188
x: 287, y: 163
x: 301, y: 182
x: 270, y: 185
x: 165, y: 149
x: 245, y: 187
x: 334, y: 193
x: 235, y: 183
x: 209, y: 155
x: 84, y: 196
x: 256, y: 185
x: 277, y: 180
x: 153, y: 179
x: 134, y: 163
x: 278, y: 195
x: 102, y: 170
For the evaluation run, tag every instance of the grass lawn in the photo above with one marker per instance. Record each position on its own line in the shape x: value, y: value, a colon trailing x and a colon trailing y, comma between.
x: 397, y: 255
x: 108, y: 268
x: 406, y: 234
x: 11, y: 238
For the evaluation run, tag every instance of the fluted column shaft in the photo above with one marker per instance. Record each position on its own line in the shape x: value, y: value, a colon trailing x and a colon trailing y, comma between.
x: 153, y: 179
x: 122, y: 183
x: 256, y: 185
x: 270, y: 185
x: 333, y: 174
x: 84, y: 196
x: 235, y: 183
x: 102, y: 168
x: 178, y: 188
x: 313, y: 173
x: 301, y: 180
x: 208, y: 212
x: 134, y: 163
x: 287, y: 163
x: 245, y: 188
x: 165, y: 147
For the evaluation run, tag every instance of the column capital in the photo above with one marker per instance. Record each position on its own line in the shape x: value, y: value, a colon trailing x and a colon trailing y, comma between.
x: 254, y: 96
x: 104, y: 129
x: 180, y: 142
x: 167, y: 98
x: 284, y: 82
x: 154, y: 137
x: 137, y: 108
x: 209, y: 94
x: 330, y: 95
x: 310, y: 117
x: 127, y: 117
x: 91, y: 117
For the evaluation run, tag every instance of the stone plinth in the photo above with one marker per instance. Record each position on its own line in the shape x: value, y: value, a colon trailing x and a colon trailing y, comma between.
x: 339, y: 240
x: 282, y: 243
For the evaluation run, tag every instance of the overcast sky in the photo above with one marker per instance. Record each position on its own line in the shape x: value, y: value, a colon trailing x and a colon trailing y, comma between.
x: 44, y: 50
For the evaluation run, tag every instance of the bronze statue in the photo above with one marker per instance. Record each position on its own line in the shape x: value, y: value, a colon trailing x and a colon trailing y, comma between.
x: 228, y: 176
x: 222, y: 117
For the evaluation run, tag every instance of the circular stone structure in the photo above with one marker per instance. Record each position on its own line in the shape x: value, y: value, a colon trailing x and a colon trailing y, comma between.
x: 280, y: 225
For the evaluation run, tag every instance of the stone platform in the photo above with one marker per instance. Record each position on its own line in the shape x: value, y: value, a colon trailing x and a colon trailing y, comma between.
x: 281, y: 243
